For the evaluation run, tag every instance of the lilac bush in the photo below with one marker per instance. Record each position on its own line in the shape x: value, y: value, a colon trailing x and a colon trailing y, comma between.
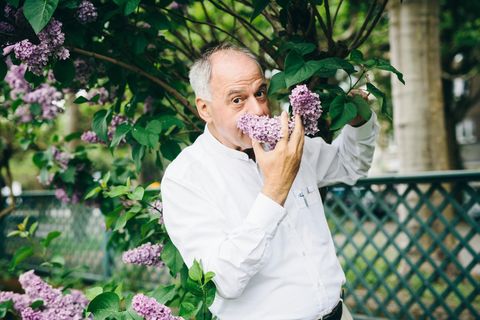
x: 86, y: 12
x: 56, y: 305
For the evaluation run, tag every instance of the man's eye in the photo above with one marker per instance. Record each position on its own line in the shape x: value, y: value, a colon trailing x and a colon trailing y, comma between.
x: 260, y: 93
x: 237, y: 100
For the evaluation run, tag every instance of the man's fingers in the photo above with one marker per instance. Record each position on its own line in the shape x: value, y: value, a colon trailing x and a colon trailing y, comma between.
x: 284, y: 128
x: 257, y: 148
x: 298, y: 131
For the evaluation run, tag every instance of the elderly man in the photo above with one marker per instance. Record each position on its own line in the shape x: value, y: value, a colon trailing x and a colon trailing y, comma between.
x: 256, y: 219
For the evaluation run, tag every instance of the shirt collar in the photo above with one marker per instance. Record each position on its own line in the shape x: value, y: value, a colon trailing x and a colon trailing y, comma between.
x: 218, y: 147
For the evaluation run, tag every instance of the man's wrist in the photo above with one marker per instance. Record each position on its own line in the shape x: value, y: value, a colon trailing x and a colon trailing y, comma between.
x: 279, y: 195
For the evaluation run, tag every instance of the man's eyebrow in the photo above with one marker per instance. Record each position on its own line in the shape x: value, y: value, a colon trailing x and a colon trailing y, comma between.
x: 236, y: 91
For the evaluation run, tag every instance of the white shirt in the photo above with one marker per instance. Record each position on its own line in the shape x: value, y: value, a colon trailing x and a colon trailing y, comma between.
x: 270, y: 262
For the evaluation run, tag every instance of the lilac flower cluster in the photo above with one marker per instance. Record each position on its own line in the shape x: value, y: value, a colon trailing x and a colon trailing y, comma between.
x: 83, y: 71
x: 15, y: 78
x: 91, y: 137
x: 147, y: 254
x: 86, y: 12
x: 36, y: 56
x: 150, y: 309
x: 60, y: 157
x: 55, y: 304
x: 307, y: 104
x: 268, y: 130
x: 45, y: 95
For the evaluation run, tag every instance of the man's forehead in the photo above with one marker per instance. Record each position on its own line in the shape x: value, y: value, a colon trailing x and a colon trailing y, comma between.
x: 232, y: 65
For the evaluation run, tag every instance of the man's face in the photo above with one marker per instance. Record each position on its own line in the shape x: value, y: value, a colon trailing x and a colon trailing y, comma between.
x: 237, y: 87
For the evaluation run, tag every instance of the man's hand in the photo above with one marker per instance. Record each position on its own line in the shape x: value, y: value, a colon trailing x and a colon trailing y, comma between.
x: 280, y: 166
x: 363, y: 108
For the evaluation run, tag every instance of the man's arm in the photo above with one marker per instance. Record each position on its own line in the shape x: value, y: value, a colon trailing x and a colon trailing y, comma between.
x: 198, y: 229
x: 348, y: 158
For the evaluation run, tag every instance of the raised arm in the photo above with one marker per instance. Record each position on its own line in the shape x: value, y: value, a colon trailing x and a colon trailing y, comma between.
x: 348, y: 158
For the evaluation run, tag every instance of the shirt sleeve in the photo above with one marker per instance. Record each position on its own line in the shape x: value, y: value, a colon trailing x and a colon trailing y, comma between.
x: 199, y: 231
x: 348, y: 158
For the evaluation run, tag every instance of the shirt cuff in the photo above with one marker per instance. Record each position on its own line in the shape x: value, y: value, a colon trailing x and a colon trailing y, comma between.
x: 266, y: 214
x: 364, y: 131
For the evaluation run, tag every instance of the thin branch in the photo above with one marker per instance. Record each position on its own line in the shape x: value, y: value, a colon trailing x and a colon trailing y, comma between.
x: 210, y: 22
x: 224, y: 8
x: 330, y: 42
x: 184, y: 42
x: 372, y: 26
x: 9, y: 182
x: 359, y: 34
x: 183, y: 116
x: 136, y: 69
x: 336, y: 13
x: 329, y: 19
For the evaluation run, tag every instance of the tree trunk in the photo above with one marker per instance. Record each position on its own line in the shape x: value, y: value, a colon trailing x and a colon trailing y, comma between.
x: 419, y: 123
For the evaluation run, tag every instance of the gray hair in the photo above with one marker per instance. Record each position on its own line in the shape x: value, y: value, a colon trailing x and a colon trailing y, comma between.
x: 201, y: 71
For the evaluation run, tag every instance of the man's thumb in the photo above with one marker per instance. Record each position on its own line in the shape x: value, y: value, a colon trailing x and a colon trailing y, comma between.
x: 257, y: 147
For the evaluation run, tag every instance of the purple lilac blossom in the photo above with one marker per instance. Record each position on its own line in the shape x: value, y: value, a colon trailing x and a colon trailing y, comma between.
x: 86, y: 12
x: 47, y: 97
x: 6, y: 27
x: 268, y: 130
x: 90, y: 137
x: 36, y: 56
x: 307, y: 104
x: 15, y: 78
x: 116, y: 121
x: 9, y: 11
x: 157, y: 209
x: 55, y: 304
x: 150, y: 309
x: 61, y: 158
x: 62, y: 195
x: 23, y: 114
x: 83, y: 71
x: 147, y: 254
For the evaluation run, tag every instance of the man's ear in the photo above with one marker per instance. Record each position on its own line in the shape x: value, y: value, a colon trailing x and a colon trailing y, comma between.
x: 204, y: 109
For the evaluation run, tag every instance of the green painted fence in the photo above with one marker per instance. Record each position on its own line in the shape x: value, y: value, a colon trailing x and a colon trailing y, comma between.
x: 409, y: 245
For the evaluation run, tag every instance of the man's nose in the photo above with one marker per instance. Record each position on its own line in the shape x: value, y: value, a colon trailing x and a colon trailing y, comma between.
x: 257, y: 107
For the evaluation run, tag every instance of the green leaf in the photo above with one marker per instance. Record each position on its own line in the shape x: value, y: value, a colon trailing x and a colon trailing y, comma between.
x: 36, y: 109
x: 13, y: 233
x: 123, y: 219
x: 58, y: 260
x: 277, y: 83
x: 33, y: 228
x: 130, y: 6
x: 36, y: 304
x: 301, y: 47
x: 91, y: 293
x: 348, y: 113
x: 172, y: 258
x: 49, y: 238
x: 137, y: 194
x: 120, y: 132
x: 116, y: 191
x: 170, y: 149
x: 154, y: 126
x: 258, y: 7
x: 295, y: 69
x: 94, y: 191
x: 385, y: 65
x: 64, y: 71
x: 164, y: 294
x: 195, y: 272
x: 68, y: 175
x: 377, y: 93
x: 5, y: 307
x: 139, y: 44
x: 336, y: 107
x: 168, y: 121
x: 39, y: 12
x: 210, y: 291
x: 20, y: 254
x: 356, y: 56
x: 103, y: 305
x: 190, y: 305
x: 138, y: 152
x: 145, y: 137
x: 80, y: 100
x: 99, y: 125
